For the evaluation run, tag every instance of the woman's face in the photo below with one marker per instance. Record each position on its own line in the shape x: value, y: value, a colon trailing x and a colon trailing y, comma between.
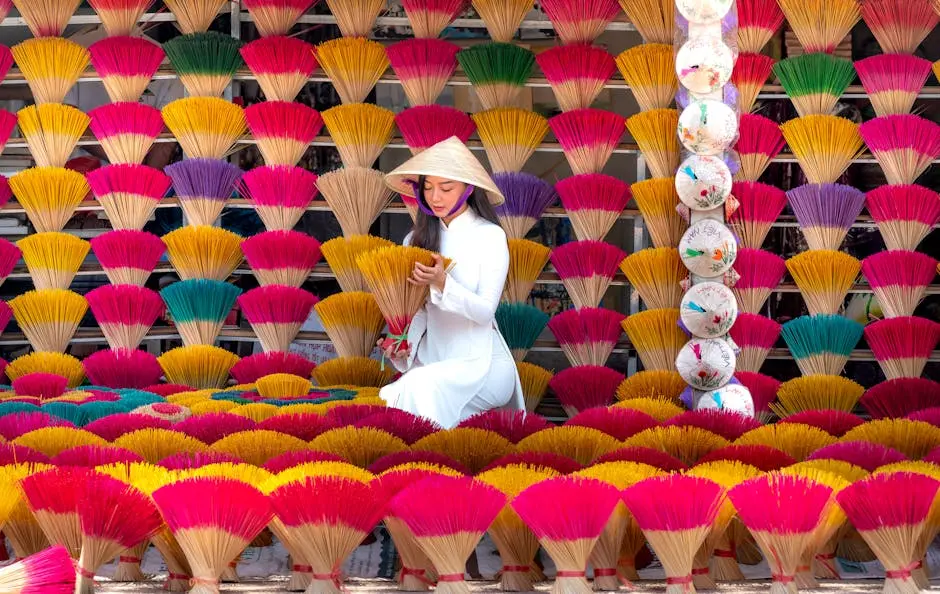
x: 442, y: 194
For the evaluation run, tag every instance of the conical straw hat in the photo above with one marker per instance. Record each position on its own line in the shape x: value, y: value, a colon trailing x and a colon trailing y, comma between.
x: 450, y: 159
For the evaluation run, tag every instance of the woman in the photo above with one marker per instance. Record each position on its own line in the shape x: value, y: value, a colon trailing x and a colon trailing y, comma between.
x: 458, y: 364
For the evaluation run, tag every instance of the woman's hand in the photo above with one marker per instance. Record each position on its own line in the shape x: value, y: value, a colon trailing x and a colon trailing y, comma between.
x: 434, y: 276
x: 389, y: 349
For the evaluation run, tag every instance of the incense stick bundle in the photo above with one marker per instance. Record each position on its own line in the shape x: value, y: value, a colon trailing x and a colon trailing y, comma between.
x: 825, y: 213
x: 198, y: 367
x: 656, y: 336
x: 760, y: 205
x: 46, y: 18
x: 814, y: 82
x: 527, y: 259
x: 904, y: 145
x: 52, y: 132
x: 497, y: 71
x: 817, y: 392
x: 527, y: 197
x: 824, y: 145
x: 199, y: 307
x: 279, y: 193
x: 360, y: 130
x: 424, y: 126
x: 203, y: 252
x: 119, y: 17
x: 521, y: 325
x: 502, y: 19
x: 127, y: 257
x: 656, y: 274
x: 580, y: 23
x: 760, y: 273
x: 356, y: 19
x: 341, y: 254
x: 576, y: 73
x: 51, y: 66
x: 824, y: 277
x: 281, y: 257
x: 203, y: 187
x: 126, y: 65
x: 588, y: 137
x: 429, y: 18
x: 354, y: 65
x: 758, y: 22
x: 899, y: 279
x: 586, y: 268
x: 654, y: 20
x: 49, y: 195
x: 126, y: 131
x: 205, y: 127
x: 650, y: 71
x: 893, y: 81
x: 128, y: 193
x: 51, y: 571
x: 821, y: 344
x: 49, y: 317
x: 356, y: 195
x: 654, y: 133
x: 510, y: 136
x: 899, y: 27
x: 902, y: 345
x: 820, y: 26
x: 281, y: 65
x: 204, y: 62
x: 905, y: 214
x: 423, y: 66
x: 276, y: 314
x: 353, y: 321
x: 750, y: 74
x: 759, y: 142
x: 276, y: 17
x: 587, y: 336
x: 594, y: 202
x: 53, y: 259
x: 657, y: 200
x: 283, y: 130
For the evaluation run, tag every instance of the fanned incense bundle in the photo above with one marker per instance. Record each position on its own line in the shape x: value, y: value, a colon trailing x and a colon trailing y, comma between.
x: 429, y: 18
x: 502, y: 19
x: 899, y: 279
x: 824, y: 145
x: 423, y: 66
x: 128, y: 193
x: 7, y: 123
x: 902, y: 345
x: 52, y: 131
x: 250, y: 369
x: 814, y: 82
x: 194, y: 16
x: 52, y: 496
x: 472, y: 447
x: 821, y: 25
x: 654, y: 20
x: 497, y: 71
x: 49, y: 195
x: 281, y: 65
x: 656, y: 335
x: 862, y: 454
x: 424, y: 126
x: 750, y: 74
x: 354, y: 65
x: 649, y: 69
x: 588, y: 137
x: 50, y: 65
x: 834, y: 422
x: 817, y: 392
x: 893, y: 81
x: 899, y: 25
x: 356, y: 195
x: 657, y: 200
x: 126, y: 65
x: 760, y: 272
x: 52, y: 259
x: 755, y: 335
x: 119, y: 17
x: 513, y: 425
x: 759, y: 142
x: 353, y: 321
x: 585, y: 387
x: 283, y: 130
x: 656, y: 274
x: 126, y: 131
x: 527, y: 259
x: 905, y: 214
x: 279, y: 193
x: 576, y: 73
x: 276, y: 17
x: 361, y: 446
x: 205, y: 62
x: 122, y: 368
x: 825, y: 212
x: 341, y: 254
x: 205, y: 127
x: 355, y: 18
x: 904, y: 145
x: 521, y: 325
x: 527, y: 197
x: 9, y: 256
x: 594, y: 202
x: 582, y: 444
x: 198, y: 367
x: 654, y: 132
x: 60, y: 364
x: 281, y: 257
x: 203, y: 252
x: 586, y: 268
x: 49, y: 317
x: 360, y: 130
x: 276, y: 314
x: 580, y: 23
x: 760, y: 205
x: 51, y: 571
x: 203, y: 187
x: 799, y: 441
x: 46, y: 18
x: 821, y: 344
x: 688, y: 444
x: 914, y: 439
x: 198, y: 308
x: 910, y: 397
x: 758, y: 22
x: 534, y: 380
x: 823, y: 277
x: 127, y: 257
x: 664, y: 384
x: 510, y: 136
x: 280, y: 385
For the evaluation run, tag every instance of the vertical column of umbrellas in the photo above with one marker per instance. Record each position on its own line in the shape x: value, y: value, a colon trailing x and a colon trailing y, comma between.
x: 905, y: 145
x: 203, y: 255
x: 49, y: 193
x: 9, y: 252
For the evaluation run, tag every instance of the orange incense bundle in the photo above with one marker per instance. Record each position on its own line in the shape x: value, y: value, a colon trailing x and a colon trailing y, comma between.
x: 650, y: 71
x: 657, y: 200
x: 50, y: 65
x: 656, y: 336
x: 49, y: 195
x: 654, y: 133
x: 360, y: 130
x: 52, y: 131
x: 354, y: 65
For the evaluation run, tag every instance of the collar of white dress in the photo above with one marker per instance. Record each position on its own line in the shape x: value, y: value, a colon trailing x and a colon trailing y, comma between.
x: 467, y: 217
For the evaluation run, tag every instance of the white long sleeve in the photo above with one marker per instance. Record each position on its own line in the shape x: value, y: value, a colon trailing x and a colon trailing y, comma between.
x: 478, y: 306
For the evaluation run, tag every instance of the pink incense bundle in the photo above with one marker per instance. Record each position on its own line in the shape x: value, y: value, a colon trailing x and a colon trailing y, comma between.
x: 762, y: 457
x: 899, y: 25
x: 514, y: 425
x: 304, y: 426
x: 900, y: 397
x: 276, y: 17
x: 112, y: 427
x: 41, y: 385
x: 281, y: 257
x: 448, y: 516
x: 193, y: 460
x: 122, y: 368
x: 281, y: 65
x: 892, y: 513
x: 283, y: 130
x: 758, y: 22
x: 576, y: 73
x: 899, y: 279
x: 276, y: 313
x: 676, y: 513
x: 402, y: 424
x: 52, y: 495
x: 212, y: 427
x: 7, y: 124
x: 126, y: 65
x: 893, y: 81
x: 726, y: 424
x: 834, y: 422
x: 588, y: 335
x: 51, y: 571
x: 750, y: 74
x: 167, y: 390
x: 288, y: 460
x: 588, y: 137
x: 126, y: 130
x: 9, y: 256
x: 129, y: 193
x: 567, y: 515
x: 587, y: 268
x: 759, y: 142
x: 755, y: 335
x: 905, y: 214
x: 760, y: 205
x: 128, y: 257
x: 423, y: 66
x: 580, y: 23
x: 586, y: 386
x: 594, y: 202
x: 424, y: 126
x: 92, y: 455
x: 863, y: 454
x: 16, y: 424
x: 279, y: 193
x: 429, y: 18
x: 760, y: 273
x: 619, y: 423
x: 120, y: 17
x: 249, y: 369
x: 902, y: 345
x: 125, y: 313
x: 904, y: 145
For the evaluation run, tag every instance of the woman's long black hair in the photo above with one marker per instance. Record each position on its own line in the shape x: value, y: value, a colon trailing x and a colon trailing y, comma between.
x: 427, y: 231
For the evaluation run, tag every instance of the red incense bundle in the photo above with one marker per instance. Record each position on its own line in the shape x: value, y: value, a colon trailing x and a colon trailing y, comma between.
x: 758, y: 22
x: 281, y: 257
x: 281, y: 65
x: 762, y: 457
x: 44, y: 386
x: 129, y: 193
x: 901, y: 397
x: 893, y: 81
x: 283, y: 130
x: 759, y: 142
x: 126, y: 131
x: 902, y: 345
x: 576, y: 73
x: 424, y: 126
x: 15, y: 424
x: 863, y: 454
x: 760, y: 272
x: 210, y: 428
x: 587, y: 336
x: 760, y: 205
x: 899, y: 279
x: 750, y: 74
x: 588, y: 137
x: 276, y: 313
x: 641, y: 455
x: 125, y: 313
x: 279, y: 193
x: 429, y: 18
x: 834, y: 422
x: 905, y: 214
x: 114, y: 426
x: 755, y: 335
x: 587, y: 268
x: 408, y: 457
x: 899, y: 25
x: 126, y: 65
x: 586, y: 386
x: 620, y: 423
x: 122, y: 368
x: 250, y: 369
x: 128, y: 257
x: 514, y: 425
x: 728, y: 425
x: 593, y: 202
x: 580, y: 23
x: 423, y: 66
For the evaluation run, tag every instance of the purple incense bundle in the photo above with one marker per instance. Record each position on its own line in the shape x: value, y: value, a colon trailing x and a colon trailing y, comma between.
x: 825, y: 212
x: 527, y: 197
x: 203, y: 186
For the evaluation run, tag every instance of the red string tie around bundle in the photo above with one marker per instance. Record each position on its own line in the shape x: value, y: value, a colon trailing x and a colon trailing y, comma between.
x: 91, y: 574
x: 171, y: 577
x: 700, y: 571
x: 612, y: 572
x: 570, y: 574
x: 124, y: 559
x: 515, y: 569
x: 725, y: 554
x: 198, y: 581
x: 450, y: 577
x: 684, y: 581
x: 904, y: 573
x: 417, y: 573
x: 782, y: 579
x: 333, y: 576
